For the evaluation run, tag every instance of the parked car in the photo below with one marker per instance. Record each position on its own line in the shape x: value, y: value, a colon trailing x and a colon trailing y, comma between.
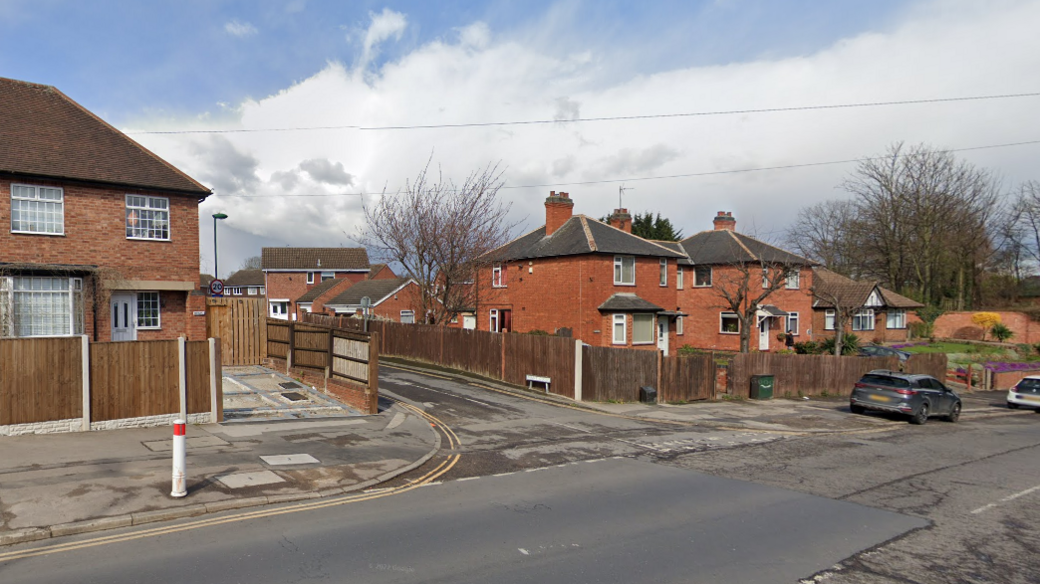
x: 879, y: 351
x: 1025, y: 393
x: 917, y: 396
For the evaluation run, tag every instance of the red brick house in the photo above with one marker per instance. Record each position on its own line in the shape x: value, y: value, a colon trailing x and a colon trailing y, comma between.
x: 102, y: 235
x: 290, y: 272
x: 578, y: 276
x: 245, y: 283
x: 395, y: 299
x: 874, y: 314
x: 723, y: 262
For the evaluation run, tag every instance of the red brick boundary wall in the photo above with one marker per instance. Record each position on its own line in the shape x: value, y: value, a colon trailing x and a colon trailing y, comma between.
x: 356, y: 395
x: 958, y: 325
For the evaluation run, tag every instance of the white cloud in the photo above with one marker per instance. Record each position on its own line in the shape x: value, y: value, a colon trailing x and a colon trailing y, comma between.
x: 240, y: 29
x: 477, y: 76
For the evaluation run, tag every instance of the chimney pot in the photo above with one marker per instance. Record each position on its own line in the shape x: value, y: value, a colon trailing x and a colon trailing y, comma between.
x: 558, y: 209
x: 724, y: 221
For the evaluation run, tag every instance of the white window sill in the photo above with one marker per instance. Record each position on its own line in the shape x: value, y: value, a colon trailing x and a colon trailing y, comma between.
x: 62, y: 234
x: 644, y: 343
x: 701, y: 286
x: 726, y: 333
x: 624, y: 284
x: 149, y: 328
x: 499, y: 286
x: 147, y: 239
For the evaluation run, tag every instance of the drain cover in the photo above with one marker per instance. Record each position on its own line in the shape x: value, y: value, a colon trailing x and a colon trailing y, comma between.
x: 294, y: 396
x: 289, y: 385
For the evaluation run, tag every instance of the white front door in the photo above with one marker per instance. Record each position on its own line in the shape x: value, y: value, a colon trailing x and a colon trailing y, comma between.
x: 662, y: 335
x: 124, y: 316
x: 763, y: 335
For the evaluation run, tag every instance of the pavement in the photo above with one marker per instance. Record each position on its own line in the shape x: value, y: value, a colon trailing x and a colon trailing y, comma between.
x: 61, y: 484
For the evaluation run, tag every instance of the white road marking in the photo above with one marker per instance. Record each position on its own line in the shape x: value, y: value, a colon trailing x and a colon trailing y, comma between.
x: 1006, y: 499
x: 503, y: 474
x: 570, y: 427
x: 523, y: 551
x: 467, y: 479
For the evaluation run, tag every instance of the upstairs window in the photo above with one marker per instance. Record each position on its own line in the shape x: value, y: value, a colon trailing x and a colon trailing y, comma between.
x: 679, y: 278
x: 702, y: 276
x: 37, y: 210
x: 792, y: 280
x: 310, y: 277
x: 664, y: 272
x: 498, y: 277
x: 327, y: 276
x: 625, y: 270
x: 147, y: 217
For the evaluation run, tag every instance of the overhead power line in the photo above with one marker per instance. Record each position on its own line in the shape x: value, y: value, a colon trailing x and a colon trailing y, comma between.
x: 598, y: 119
x: 663, y: 177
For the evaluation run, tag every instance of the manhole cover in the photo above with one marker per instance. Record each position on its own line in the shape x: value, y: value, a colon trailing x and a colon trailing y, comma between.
x: 294, y: 396
x: 289, y: 385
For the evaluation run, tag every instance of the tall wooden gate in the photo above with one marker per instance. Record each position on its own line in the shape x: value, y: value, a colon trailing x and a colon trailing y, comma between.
x: 241, y: 325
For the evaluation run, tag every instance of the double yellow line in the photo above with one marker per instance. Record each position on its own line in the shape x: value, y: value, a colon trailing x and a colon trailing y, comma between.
x: 427, y: 478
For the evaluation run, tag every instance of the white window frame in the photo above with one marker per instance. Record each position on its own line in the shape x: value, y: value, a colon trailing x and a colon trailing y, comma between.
x: 408, y: 313
x: 328, y: 276
x: 829, y: 316
x: 36, y: 198
x: 723, y: 317
x: 898, y: 315
x: 861, y: 315
x: 619, y: 270
x: 158, y: 311
x: 498, y: 276
x: 494, y: 321
x: 664, y: 273
x: 619, y: 319
x: 310, y: 277
x: 793, y: 280
x: 679, y: 325
x: 653, y: 329
x: 792, y: 317
x: 273, y: 313
x: 711, y: 274
x: 148, y: 208
x: 251, y: 291
x: 8, y: 304
x: 679, y: 277
x: 765, y: 278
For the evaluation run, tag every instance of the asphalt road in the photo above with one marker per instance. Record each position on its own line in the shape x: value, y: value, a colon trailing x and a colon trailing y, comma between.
x: 613, y: 520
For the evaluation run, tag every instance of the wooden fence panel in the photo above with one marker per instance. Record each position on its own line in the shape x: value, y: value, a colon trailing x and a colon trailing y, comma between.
x: 350, y: 355
x: 478, y: 352
x: 934, y: 364
x: 41, y: 380
x: 240, y: 324
x: 129, y: 380
x: 541, y: 355
x: 803, y: 375
x: 616, y: 374
x: 687, y: 378
x: 277, y: 338
x: 310, y: 346
x: 198, y: 375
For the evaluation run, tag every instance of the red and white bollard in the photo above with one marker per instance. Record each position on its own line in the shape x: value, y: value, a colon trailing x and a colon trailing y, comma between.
x: 179, y: 456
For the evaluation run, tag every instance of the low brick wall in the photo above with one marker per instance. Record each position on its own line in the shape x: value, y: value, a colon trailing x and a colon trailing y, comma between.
x: 1007, y: 379
x: 958, y: 325
x: 355, y: 395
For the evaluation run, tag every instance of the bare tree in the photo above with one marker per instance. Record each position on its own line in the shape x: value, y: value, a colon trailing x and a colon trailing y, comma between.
x: 743, y: 286
x: 250, y: 263
x: 843, y: 313
x: 438, y: 232
x: 822, y: 233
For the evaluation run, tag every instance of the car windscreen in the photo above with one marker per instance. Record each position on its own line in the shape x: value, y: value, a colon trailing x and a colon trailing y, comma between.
x: 1029, y: 384
x: 884, y: 380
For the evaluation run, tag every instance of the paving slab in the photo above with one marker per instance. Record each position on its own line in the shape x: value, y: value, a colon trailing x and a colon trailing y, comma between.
x: 250, y: 479
x: 289, y: 459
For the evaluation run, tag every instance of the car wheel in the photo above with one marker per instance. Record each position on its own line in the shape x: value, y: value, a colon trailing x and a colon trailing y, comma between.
x: 857, y: 409
x: 921, y: 416
x: 955, y: 413
x: 1012, y: 406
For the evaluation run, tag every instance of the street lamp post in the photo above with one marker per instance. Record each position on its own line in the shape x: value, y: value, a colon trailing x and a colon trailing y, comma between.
x: 216, y: 270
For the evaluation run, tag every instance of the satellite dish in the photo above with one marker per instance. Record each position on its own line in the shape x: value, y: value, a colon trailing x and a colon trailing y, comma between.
x: 366, y: 302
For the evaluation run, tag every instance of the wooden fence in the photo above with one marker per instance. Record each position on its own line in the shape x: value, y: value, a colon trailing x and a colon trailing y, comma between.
x: 335, y: 352
x: 686, y: 378
x: 102, y: 385
x: 803, y: 375
x: 610, y: 374
x: 934, y: 364
x: 539, y: 355
x: 241, y: 326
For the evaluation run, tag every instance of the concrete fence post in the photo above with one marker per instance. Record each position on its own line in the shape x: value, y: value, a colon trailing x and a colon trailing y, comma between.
x: 85, y: 352
x: 182, y: 379
x: 577, y: 369
x: 216, y: 393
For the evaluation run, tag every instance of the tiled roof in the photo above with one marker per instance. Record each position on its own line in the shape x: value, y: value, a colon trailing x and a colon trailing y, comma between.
x: 312, y: 294
x: 245, y: 278
x: 898, y: 300
x: 376, y: 290
x: 44, y: 133
x: 829, y: 287
x: 374, y: 270
x: 628, y: 302
x: 314, y: 258
x: 580, y: 235
x: 729, y: 247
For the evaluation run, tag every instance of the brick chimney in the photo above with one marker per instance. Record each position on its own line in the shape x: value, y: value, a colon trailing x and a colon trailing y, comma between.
x: 725, y: 220
x: 622, y: 220
x: 558, y: 209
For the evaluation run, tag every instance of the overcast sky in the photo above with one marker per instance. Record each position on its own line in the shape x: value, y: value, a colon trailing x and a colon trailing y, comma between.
x: 191, y: 65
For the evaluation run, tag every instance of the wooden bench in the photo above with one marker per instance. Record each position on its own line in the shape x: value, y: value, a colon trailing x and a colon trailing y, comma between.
x: 532, y: 379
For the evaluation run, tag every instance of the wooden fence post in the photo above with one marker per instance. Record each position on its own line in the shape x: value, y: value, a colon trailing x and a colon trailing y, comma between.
x: 86, y: 381
x: 216, y: 389
x: 292, y: 347
x: 659, y: 388
x: 182, y: 379
x: 577, y: 369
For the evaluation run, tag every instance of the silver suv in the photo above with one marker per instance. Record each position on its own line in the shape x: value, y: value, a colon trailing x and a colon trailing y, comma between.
x: 917, y: 396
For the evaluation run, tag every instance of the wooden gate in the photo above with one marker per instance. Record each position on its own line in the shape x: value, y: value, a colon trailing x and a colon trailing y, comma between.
x: 241, y: 326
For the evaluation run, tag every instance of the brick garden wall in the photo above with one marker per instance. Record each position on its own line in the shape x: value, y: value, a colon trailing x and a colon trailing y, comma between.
x: 958, y: 325
x: 357, y: 396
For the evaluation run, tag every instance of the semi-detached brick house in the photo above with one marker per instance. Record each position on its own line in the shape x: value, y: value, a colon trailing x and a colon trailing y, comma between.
x: 596, y: 282
x: 101, y: 236
x: 290, y: 272
x: 395, y: 299
x: 245, y: 283
x: 315, y: 299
